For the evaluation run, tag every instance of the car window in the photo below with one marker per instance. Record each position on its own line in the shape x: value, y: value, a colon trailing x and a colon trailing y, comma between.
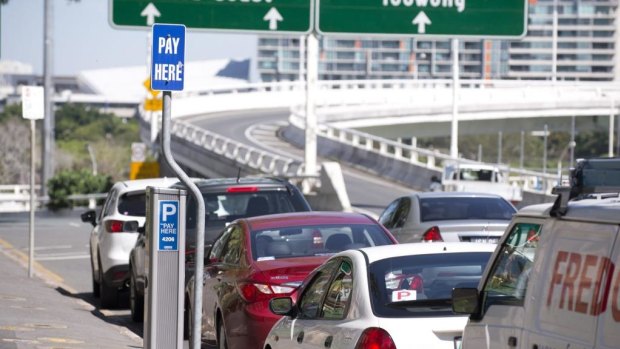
x: 108, y: 206
x: 339, y: 293
x: 315, y: 240
x: 388, y: 214
x: 312, y: 297
x: 402, y: 212
x: 421, y: 285
x: 218, y: 245
x: 463, y: 208
x: 509, y: 277
x: 232, y: 249
x: 132, y: 204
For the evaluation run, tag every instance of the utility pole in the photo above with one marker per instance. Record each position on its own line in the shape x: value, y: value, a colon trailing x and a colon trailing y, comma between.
x: 48, y: 87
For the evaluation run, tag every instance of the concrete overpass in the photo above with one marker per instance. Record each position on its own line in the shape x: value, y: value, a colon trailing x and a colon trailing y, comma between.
x: 360, y: 120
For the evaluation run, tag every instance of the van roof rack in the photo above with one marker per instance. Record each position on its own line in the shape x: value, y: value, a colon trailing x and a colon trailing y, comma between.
x: 590, y: 176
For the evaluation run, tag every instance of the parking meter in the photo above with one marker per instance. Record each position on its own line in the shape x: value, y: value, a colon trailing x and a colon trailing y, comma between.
x: 165, y: 245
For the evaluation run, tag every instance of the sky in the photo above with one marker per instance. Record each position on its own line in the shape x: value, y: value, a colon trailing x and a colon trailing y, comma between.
x: 83, y: 38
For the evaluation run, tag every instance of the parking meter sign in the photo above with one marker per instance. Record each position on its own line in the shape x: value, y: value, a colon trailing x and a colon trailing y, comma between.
x: 168, y: 230
x: 168, y: 57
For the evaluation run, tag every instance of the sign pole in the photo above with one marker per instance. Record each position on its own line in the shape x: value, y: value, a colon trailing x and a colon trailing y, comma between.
x: 311, y: 120
x: 32, y: 200
x: 454, y: 139
x: 32, y: 109
x: 168, y: 74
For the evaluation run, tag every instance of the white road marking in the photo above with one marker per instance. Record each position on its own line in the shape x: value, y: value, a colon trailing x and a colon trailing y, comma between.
x: 61, y: 258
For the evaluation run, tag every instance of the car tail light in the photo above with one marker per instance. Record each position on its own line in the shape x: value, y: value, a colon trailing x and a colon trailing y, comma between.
x: 241, y: 189
x: 375, y: 338
x: 433, y: 234
x: 253, y: 292
x: 113, y: 226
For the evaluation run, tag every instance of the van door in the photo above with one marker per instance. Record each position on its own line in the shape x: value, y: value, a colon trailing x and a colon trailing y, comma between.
x: 500, y: 323
x: 572, y: 285
x: 608, y: 335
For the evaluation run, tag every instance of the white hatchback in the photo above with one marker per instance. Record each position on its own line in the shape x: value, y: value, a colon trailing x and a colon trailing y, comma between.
x: 396, y: 296
x: 114, y: 234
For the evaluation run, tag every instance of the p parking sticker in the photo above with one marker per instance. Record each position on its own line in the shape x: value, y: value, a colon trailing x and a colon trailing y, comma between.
x: 404, y: 295
x: 168, y: 230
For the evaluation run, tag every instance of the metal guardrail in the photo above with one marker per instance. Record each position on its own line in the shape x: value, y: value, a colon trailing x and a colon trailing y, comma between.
x: 16, y: 197
x: 255, y: 158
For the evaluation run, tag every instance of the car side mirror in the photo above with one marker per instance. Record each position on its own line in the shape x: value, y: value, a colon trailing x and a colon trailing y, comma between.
x: 89, y: 216
x: 465, y: 301
x: 142, y: 230
x: 282, y: 306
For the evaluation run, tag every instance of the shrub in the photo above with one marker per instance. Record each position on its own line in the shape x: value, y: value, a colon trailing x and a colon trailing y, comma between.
x: 67, y: 183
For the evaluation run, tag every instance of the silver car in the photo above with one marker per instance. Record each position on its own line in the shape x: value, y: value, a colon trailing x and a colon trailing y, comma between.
x: 448, y: 216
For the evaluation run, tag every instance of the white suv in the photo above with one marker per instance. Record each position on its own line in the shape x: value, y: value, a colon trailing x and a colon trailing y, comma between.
x: 114, y: 235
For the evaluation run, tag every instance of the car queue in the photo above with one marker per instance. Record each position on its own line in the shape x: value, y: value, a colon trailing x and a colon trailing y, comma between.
x: 345, y: 280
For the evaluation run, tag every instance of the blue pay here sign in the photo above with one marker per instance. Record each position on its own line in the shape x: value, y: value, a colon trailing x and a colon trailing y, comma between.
x: 168, y: 230
x: 168, y: 57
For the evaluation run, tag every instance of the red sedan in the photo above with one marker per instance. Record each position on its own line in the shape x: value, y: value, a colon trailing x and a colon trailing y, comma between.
x: 259, y: 258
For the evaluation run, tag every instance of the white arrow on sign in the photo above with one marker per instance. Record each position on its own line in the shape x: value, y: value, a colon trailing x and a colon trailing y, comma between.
x: 273, y: 16
x: 150, y: 12
x: 421, y: 20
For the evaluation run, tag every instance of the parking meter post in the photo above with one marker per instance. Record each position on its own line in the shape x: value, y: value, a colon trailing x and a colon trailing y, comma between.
x: 165, y: 241
x: 200, y: 218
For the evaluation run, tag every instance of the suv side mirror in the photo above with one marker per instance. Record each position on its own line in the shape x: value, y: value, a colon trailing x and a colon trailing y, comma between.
x: 89, y: 216
x: 465, y: 301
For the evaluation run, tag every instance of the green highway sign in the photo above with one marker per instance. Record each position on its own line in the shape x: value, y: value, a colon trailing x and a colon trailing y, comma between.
x: 255, y: 16
x: 441, y: 18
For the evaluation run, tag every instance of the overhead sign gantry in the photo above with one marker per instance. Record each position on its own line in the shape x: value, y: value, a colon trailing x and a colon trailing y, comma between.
x: 433, y: 18
x: 255, y: 16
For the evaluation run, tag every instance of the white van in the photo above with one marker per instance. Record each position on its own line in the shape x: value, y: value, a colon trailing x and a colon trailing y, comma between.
x: 554, y: 279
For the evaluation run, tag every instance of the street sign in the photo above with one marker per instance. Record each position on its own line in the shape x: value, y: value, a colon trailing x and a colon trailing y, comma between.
x: 168, y: 230
x: 32, y: 102
x: 154, y: 104
x: 168, y: 57
x: 441, y: 18
x: 147, y: 85
x: 254, y: 16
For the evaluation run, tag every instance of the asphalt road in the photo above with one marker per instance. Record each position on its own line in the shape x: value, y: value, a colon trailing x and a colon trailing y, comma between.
x: 366, y: 192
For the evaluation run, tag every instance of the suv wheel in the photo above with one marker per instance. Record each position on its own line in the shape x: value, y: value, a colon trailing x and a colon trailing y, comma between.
x: 109, y: 295
x: 136, y: 300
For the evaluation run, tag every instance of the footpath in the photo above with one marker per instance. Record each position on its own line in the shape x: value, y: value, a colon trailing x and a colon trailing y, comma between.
x: 38, y: 313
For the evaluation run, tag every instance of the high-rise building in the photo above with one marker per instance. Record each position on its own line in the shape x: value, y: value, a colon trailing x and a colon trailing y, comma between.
x: 586, y: 50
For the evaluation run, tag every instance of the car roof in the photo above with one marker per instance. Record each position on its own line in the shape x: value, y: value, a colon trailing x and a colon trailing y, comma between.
x: 605, y: 210
x: 217, y: 184
x: 418, y: 248
x: 454, y: 194
x: 297, y: 219
x: 138, y: 184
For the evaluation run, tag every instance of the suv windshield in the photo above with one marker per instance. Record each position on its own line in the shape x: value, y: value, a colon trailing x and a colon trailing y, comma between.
x: 421, y: 285
x: 459, y: 208
x: 315, y: 240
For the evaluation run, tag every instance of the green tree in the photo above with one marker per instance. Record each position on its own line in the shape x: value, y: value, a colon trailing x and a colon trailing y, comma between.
x: 67, y: 183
